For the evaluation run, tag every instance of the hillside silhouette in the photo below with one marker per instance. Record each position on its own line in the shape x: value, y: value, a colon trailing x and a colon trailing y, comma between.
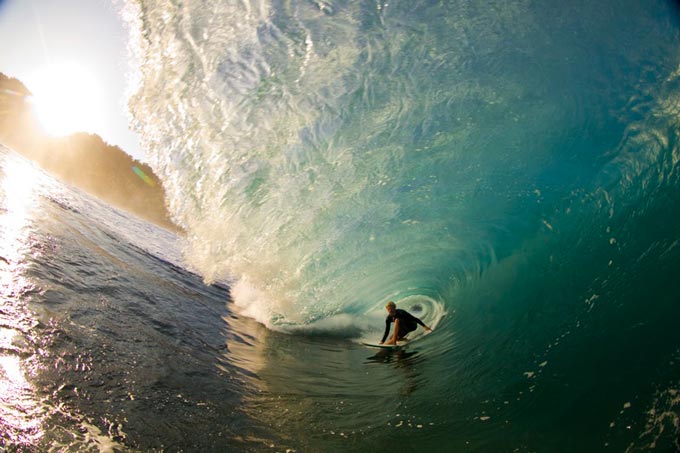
x: 82, y: 160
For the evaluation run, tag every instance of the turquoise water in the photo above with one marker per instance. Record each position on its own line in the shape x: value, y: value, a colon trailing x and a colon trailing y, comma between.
x: 510, y: 167
x: 516, y: 163
x: 329, y: 156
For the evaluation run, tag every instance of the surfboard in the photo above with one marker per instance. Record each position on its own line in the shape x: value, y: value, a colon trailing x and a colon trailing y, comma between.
x: 399, y: 345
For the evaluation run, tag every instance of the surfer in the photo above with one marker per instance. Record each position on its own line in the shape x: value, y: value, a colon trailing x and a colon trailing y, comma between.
x: 404, y: 322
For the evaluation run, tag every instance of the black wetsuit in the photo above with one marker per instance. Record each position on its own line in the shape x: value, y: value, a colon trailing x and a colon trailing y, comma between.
x: 407, y: 323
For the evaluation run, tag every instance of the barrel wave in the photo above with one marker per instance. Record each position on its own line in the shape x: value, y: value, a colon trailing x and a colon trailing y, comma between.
x: 513, y: 165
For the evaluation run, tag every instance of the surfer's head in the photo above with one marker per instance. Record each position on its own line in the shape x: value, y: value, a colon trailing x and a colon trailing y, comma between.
x: 391, y: 307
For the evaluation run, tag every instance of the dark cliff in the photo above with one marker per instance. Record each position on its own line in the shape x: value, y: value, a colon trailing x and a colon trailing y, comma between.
x: 83, y: 160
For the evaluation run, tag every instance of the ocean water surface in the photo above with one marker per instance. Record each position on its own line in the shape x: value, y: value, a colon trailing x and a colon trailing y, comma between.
x: 509, y: 170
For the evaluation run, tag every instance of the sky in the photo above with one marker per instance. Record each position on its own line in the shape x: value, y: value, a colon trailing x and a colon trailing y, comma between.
x: 86, y: 34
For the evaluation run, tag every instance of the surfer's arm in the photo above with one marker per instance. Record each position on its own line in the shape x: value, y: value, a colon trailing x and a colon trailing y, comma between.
x: 396, y: 332
x: 387, y: 331
x: 421, y: 323
x: 424, y: 325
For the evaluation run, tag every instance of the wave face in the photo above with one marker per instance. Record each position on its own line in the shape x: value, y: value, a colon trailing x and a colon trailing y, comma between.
x: 514, y: 163
x: 332, y: 155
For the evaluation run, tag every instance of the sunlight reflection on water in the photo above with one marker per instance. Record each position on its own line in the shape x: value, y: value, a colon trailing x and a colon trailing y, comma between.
x: 20, y: 410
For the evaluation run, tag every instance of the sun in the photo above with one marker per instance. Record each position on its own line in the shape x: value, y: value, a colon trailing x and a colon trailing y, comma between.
x: 67, y: 98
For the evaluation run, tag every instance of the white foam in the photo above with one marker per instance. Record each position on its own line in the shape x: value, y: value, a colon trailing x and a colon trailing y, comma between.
x: 249, y: 301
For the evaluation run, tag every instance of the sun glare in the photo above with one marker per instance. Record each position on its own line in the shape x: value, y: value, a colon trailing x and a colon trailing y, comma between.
x: 67, y: 98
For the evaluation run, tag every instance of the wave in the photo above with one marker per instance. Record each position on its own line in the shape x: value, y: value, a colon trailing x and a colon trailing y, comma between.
x: 330, y: 156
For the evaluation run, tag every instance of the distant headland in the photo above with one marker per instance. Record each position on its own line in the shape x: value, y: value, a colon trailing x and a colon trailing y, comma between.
x: 83, y: 160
